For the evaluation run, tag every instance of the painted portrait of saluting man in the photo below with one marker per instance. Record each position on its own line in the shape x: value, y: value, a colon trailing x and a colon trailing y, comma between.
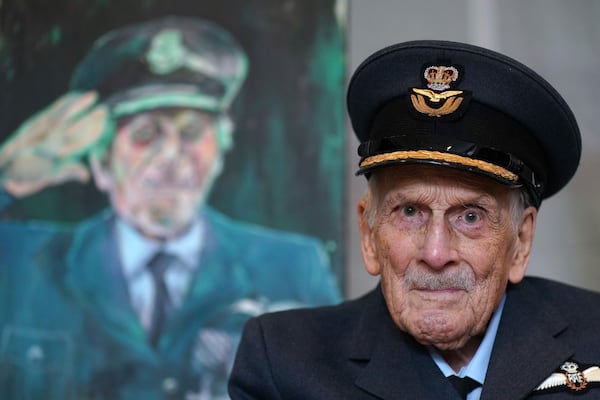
x: 145, y: 295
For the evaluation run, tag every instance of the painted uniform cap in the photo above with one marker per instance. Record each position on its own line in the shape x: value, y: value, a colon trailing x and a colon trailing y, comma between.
x: 466, y: 107
x: 166, y: 62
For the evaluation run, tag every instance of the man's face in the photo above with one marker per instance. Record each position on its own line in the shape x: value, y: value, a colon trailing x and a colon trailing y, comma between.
x: 161, y: 166
x: 445, y: 245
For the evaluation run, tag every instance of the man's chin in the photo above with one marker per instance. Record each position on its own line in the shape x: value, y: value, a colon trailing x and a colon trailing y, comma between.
x: 446, y: 346
x: 164, y: 229
x: 442, y: 341
x: 439, y: 329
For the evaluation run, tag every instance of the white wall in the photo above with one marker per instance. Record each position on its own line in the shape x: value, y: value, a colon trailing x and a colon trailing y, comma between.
x: 560, y: 39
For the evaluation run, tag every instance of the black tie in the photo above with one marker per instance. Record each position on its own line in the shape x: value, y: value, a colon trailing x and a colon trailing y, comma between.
x: 162, y: 302
x: 463, y: 386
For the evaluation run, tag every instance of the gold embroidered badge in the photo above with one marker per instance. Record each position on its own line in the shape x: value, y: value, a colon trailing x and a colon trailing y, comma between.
x: 572, y: 377
x: 437, y: 100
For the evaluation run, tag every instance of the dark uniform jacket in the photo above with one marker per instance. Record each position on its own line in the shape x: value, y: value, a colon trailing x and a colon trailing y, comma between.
x: 354, y: 351
x: 68, y: 331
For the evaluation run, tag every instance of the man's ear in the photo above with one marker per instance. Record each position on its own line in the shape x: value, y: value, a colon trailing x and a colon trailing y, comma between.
x: 225, y: 127
x: 102, y: 177
x: 367, y: 243
x: 523, y: 245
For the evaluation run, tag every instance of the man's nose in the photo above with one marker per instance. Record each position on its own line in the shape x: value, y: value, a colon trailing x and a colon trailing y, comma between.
x: 438, y: 248
x: 172, y: 145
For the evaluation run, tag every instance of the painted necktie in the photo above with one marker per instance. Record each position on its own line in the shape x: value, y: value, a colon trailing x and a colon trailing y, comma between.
x: 162, y: 305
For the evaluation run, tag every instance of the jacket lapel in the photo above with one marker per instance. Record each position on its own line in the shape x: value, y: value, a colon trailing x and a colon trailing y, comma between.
x: 528, y: 347
x: 397, y: 366
x: 95, y: 280
x: 219, y: 281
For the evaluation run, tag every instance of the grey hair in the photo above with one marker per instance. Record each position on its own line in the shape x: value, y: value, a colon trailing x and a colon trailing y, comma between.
x: 519, y: 202
x: 371, y: 199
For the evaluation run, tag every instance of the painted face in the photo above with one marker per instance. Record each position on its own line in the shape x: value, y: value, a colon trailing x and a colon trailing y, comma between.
x: 161, y: 166
x: 445, y: 246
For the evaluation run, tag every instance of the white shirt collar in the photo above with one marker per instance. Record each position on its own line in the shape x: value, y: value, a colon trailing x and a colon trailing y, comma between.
x: 135, y: 250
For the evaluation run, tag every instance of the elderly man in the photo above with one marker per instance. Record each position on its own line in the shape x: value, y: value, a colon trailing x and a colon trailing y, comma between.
x: 147, y: 299
x: 460, y: 145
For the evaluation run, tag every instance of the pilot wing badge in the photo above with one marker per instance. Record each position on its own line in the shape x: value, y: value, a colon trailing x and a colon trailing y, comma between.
x: 571, y: 378
x: 438, y: 100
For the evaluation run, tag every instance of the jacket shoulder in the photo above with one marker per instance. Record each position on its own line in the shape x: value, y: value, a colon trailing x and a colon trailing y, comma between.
x: 280, y: 353
x: 564, y: 294
x: 254, y: 232
x: 327, y: 327
x: 579, y: 306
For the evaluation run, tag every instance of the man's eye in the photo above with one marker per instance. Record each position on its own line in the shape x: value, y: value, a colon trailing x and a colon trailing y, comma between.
x: 146, y: 134
x: 409, y: 211
x: 470, y: 217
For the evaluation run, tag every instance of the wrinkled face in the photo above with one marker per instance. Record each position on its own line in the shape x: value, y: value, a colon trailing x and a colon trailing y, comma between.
x: 446, y: 244
x: 160, y: 168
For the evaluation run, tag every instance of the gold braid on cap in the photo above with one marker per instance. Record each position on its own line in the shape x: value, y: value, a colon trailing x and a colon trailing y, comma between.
x: 440, y: 156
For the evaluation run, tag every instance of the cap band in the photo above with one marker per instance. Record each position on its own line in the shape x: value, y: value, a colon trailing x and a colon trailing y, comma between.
x: 439, y: 156
x: 449, y: 151
x: 166, y: 100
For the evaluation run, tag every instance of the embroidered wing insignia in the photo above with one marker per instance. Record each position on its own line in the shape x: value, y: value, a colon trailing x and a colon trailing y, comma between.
x: 572, y: 377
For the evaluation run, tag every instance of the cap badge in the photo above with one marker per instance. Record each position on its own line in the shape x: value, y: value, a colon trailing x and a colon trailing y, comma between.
x: 168, y: 53
x: 571, y: 377
x: 437, y: 100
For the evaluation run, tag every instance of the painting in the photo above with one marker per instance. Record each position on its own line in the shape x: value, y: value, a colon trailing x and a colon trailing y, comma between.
x: 169, y: 169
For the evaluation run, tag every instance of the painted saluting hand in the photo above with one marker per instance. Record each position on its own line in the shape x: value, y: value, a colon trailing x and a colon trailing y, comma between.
x: 49, y: 148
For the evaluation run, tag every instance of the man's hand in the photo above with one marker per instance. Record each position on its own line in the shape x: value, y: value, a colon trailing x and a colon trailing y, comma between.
x: 48, y: 148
